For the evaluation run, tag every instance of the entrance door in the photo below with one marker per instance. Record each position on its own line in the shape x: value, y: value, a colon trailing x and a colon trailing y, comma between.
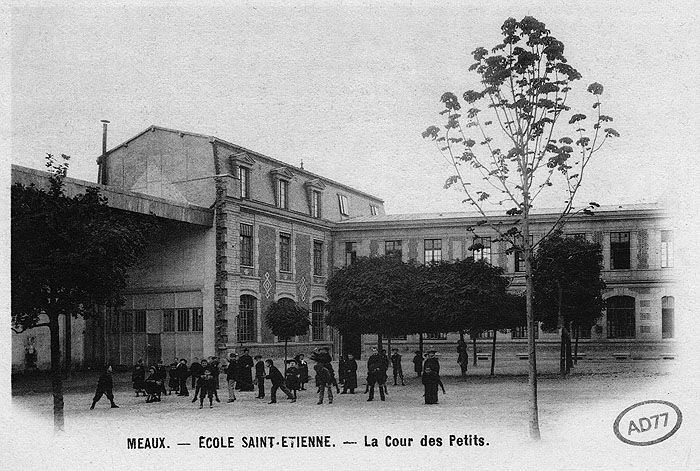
x: 351, y: 343
x: 153, y: 349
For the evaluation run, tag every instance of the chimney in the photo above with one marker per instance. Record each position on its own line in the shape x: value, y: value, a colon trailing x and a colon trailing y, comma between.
x: 102, y: 172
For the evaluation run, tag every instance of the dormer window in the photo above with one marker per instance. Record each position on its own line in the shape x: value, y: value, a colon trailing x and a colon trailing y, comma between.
x: 343, y: 204
x: 314, y: 190
x: 244, y: 176
x: 373, y: 210
x: 315, y: 204
x: 241, y: 167
x: 281, y: 178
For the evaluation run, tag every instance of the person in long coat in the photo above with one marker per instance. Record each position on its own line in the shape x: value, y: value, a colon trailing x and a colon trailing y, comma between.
x: 396, y: 367
x: 350, y: 366
x: 182, y: 374
x: 162, y: 373
x: 173, y: 380
x: 153, y: 385
x: 432, y: 362
x: 418, y: 363
x: 105, y: 384
x: 245, y: 363
x: 291, y: 377
x: 431, y: 380
x: 260, y: 376
x: 462, y: 356
x: 376, y: 373
x: 138, y: 378
x: 303, y: 370
x: 196, y: 371
x: 232, y: 374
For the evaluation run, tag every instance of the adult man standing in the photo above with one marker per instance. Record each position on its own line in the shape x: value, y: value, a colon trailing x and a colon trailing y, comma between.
x: 432, y: 362
x: 245, y: 363
x: 376, y: 371
x: 182, y: 374
x: 232, y: 376
x: 260, y: 376
x: 396, y: 365
x: 462, y: 356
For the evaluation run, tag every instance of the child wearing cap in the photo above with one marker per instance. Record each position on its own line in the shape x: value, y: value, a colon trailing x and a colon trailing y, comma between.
x: 260, y: 376
x: 291, y: 377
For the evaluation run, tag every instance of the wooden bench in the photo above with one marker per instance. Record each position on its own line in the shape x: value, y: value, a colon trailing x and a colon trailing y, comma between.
x: 483, y: 356
x: 579, y: 356
x: 668, y: 356
x: 522, y: 356
x: 621, y: 355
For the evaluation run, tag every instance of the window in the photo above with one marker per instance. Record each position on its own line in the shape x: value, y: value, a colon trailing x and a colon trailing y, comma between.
x: 282, y: 196
x: 619, y: 250
x: 244, y: 175
x: 350, y: 253
x: 521, y: 333
x: 318, y: 326
x: 139, y: 321
x: 127, y: 321
x: 482, y: 249
x: 372, y: 210
x: 168, y: 320
x: 318, y: 258
x: 343, y: 204
x: 246, y: 245
x: 620, y: 317
x: 183, y: 320
x: 197, y: 320
x: 666, y: 249
x: 433, y: 250
x: 485, y: 334
x: 315, y: 204
x: 246, y: 319
x: 519, y: 255
x: 393, y: 248
x: 667, y: 311
x: 435, y: 336
x: 398, y: 337
x: 285, y: 253
x: 114, y: 322
x: 576, y: 236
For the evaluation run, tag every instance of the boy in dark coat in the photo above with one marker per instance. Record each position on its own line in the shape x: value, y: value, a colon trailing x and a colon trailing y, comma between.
x: 245, y: 363
x: 161, y: 372
x: 138, y: 377
x: 214, y: 370
x: 376, y: 371
x: 182, y: 374
x: 206, y: 388
x: 196, y: 371
x: 105, y: 386
x: 462, y: 356
x: 173, y: 381
x: 303, y: 370
x: 322, y: 356
x: 260, y: 376
x: 198, y: 384
x: 432, y: 362
x: 153, y: 386
x: 418, y: 363
x: 396, y: 366
x: 341, y: 368
x: 232, y: 376
x: 277, y: 380
x: 431, y: 380
x: 323, y: 381
x: 291, y: 377
x: 350, y: 383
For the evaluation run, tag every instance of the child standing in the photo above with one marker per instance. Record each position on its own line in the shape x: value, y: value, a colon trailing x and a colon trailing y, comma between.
x: 277, y: 380
x: 303, y: 370
x: 291, y: 377
x: 206, y: 387
x: 260, y: 376
x: 324, y: 380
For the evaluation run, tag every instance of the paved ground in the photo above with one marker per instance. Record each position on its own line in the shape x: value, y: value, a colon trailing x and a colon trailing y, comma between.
x: 576, y: 416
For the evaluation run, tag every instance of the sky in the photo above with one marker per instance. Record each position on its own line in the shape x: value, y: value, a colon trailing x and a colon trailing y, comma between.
x: 346, y: 87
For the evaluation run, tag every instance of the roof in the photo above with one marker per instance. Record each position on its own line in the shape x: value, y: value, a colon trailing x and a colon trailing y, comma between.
x: 445, y: 216
x: 252, y: 152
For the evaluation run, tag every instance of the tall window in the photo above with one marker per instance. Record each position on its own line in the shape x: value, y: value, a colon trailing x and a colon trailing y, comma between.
x: 139, y: 321
x: 620, y: 313
x: 435, y: 336
x: 114, y: 322
x: 246, y: 245
x: 666, y: 249
x: 318, y: 258
x: 127, y: 321
x: 519, y: 255
x: 244, y: 175
x: 619, y: 250
x: 197, y: 320
x: 433, y: 250
x: 168, y: 320
x: 183, y: 320
x: 482, y: 249
x: 318, y: 325
x: 667, y: 311
x: 246, y: 319
x: 282, y: 196
x: 373, y: 210
x: 521, y: 332
x: 315, y: 204
x: 285, y: 252
x: 343, y: 204
x: 350, y: 253
x: 393, y: 248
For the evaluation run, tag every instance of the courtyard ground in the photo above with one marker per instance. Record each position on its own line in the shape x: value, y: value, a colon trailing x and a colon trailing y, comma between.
x: 576, y: 419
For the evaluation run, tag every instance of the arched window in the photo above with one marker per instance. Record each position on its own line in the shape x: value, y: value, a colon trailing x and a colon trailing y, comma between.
x: 621, y: 322
x: 667, y: 312
x: 246, y: 319
x: 318, y: 325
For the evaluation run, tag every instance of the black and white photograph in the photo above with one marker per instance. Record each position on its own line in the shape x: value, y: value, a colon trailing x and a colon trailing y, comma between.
x: 350, y: 235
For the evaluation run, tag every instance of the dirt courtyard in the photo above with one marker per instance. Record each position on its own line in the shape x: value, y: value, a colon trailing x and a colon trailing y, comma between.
x: 576, y: 418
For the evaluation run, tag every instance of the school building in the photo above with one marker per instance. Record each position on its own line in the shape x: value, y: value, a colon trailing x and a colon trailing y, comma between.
x: 244, y: 230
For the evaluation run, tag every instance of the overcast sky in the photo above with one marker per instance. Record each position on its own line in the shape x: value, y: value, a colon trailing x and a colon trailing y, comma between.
x: 348, y: 88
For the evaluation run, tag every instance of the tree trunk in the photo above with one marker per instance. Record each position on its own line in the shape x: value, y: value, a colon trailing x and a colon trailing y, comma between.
x: 534, y: 421
x: 56, y: 378
x: 474, y: 350
x: 461, y: 336
x: 379, y: 342
x: 420, y: 344
x: 562, y: 330
x: 388, y: 343
x: 578, y: 329
x: 493, y: 352
x: 68, y: 342
x: 567, y: 349
x: 285, y: 354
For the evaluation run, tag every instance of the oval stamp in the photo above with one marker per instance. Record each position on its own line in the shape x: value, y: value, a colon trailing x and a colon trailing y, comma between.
x: 647, y: 422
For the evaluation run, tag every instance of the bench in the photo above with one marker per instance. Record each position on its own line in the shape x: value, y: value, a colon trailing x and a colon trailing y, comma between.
x: 483, y: 356
x: 621, y: 355
x: 668, y: 356
x: 522, y: 356
x: 579, y: 356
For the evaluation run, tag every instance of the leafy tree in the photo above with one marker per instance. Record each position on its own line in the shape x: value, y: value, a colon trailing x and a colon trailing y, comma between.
x: 285, y: 319
x: 525, y: 81
x: 568, y: 287
x: 69, y: 255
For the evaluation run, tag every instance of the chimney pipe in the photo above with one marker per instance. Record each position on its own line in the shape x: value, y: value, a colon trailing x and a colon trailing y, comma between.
x: 102, y: 176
